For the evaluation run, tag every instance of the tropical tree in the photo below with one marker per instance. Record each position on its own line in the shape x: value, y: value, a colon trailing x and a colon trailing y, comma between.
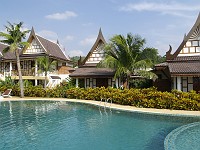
x: 152, y: 54
x: 7, y: 83
x: 123, y: 55
x: 46, y: 65
x: 13, y: 37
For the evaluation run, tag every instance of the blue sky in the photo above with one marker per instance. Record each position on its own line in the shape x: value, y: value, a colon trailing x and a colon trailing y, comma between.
x: 76, y: 23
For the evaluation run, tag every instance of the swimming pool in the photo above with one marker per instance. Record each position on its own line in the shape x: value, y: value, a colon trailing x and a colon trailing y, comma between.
x: 62, y: 125
x: 185, y: 137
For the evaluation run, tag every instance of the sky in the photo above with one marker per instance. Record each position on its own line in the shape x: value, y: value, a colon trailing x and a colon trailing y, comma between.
x: 76, y: 23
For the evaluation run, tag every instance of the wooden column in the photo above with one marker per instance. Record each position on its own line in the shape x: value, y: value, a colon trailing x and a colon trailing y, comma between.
x: 179, y: 83
x: 77, y: 82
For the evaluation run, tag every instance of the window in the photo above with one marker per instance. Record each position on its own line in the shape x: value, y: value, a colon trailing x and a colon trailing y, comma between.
x: 88, y: 82
x: 188, y: 44
x: 197, y: 49
x: 94, y: 82
x: 195, y: 43
x: 185, y: 50
x: 192, y: 49
x: 34, y: 48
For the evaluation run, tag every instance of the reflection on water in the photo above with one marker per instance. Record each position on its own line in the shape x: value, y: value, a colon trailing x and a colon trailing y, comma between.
x: 57, y: 125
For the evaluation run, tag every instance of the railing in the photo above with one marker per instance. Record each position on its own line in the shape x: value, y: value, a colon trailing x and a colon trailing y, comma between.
x: 106, y: 101
x: 24, y: 72
x: 30, y: 73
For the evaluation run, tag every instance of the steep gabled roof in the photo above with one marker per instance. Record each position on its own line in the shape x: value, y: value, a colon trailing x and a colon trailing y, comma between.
x: 6, y: 56
x: 50, y: 48
x: 53, y: 49
x: 99, y: 39
x: 193, y: 33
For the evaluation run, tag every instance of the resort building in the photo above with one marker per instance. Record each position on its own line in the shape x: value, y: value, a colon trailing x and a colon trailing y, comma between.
x: 38, y: 47
x: 181, y: 70
x: 88, y: 74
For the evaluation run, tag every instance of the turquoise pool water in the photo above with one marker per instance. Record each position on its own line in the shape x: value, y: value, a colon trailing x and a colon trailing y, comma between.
x: 186, y: 137
x: 44, y: 125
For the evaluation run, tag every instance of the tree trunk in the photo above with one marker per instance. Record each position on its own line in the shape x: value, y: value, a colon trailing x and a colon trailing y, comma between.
x: 126, y: 83
x: 45, y: 81
x: 20, y: 75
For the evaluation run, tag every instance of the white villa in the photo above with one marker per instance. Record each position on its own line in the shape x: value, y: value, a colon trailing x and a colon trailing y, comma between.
x: 39, y: 46
x: 181, y: 70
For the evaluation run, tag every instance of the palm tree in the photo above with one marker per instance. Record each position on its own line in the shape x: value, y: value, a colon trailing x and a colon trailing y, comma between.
x: 13, y: 37
x: 123, y: 55
x: 46, y: 65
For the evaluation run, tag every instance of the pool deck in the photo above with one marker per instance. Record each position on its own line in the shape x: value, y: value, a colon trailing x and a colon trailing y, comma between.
x: 113, y: 106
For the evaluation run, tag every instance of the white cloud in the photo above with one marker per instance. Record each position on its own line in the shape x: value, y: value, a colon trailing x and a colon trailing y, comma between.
x: 62, y: 16
x: 48, y: 35
x: 88, y: 41
x: 87, y: 24
x: 68, y: 38
x: 173, y: 8
x: 75, y: 53
x: 161, y: 46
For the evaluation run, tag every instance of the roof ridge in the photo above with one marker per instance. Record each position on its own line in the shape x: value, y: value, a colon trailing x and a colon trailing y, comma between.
x: 46, y: 39
x: 187, y: 37
x: 63, y: 51
x: 4, y: 44
x: 55, y: 44
x: 99, y: 37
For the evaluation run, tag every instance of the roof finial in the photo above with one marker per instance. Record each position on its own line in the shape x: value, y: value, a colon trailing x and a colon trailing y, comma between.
x: 199, y: 14
x: 168, y: 53
x: 57, y: 42
x: 100, y: 32
x: 100, y: 36
x: 32, y: 31
x: 185, y: 36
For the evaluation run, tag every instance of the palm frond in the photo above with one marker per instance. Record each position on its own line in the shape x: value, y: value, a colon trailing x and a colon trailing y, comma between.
x: 147, y: 74
x: 5, y: 50
x: 6, y: 35
x: 24, y: 45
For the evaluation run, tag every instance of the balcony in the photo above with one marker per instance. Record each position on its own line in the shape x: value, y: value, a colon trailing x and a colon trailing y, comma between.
x: 24, y: 72
x: 31, y: 73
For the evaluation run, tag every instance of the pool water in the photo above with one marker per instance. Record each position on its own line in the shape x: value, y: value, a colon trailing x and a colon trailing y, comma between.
x: 186, y: 137
x: 51, y: 125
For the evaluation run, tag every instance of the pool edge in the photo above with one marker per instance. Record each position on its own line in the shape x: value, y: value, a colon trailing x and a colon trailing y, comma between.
x: 115, y: 106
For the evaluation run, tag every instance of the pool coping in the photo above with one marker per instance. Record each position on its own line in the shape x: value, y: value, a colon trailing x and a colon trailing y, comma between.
x: 113, y: 106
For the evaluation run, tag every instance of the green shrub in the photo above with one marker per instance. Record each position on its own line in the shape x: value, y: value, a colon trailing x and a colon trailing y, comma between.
x: 147, y: 98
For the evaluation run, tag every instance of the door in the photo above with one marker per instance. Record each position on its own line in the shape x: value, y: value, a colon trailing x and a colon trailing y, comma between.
x: 102, y: 82
x: 196, y: 84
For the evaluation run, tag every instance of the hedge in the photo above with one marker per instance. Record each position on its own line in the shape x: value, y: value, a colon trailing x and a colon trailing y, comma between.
x: 144, y: 98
